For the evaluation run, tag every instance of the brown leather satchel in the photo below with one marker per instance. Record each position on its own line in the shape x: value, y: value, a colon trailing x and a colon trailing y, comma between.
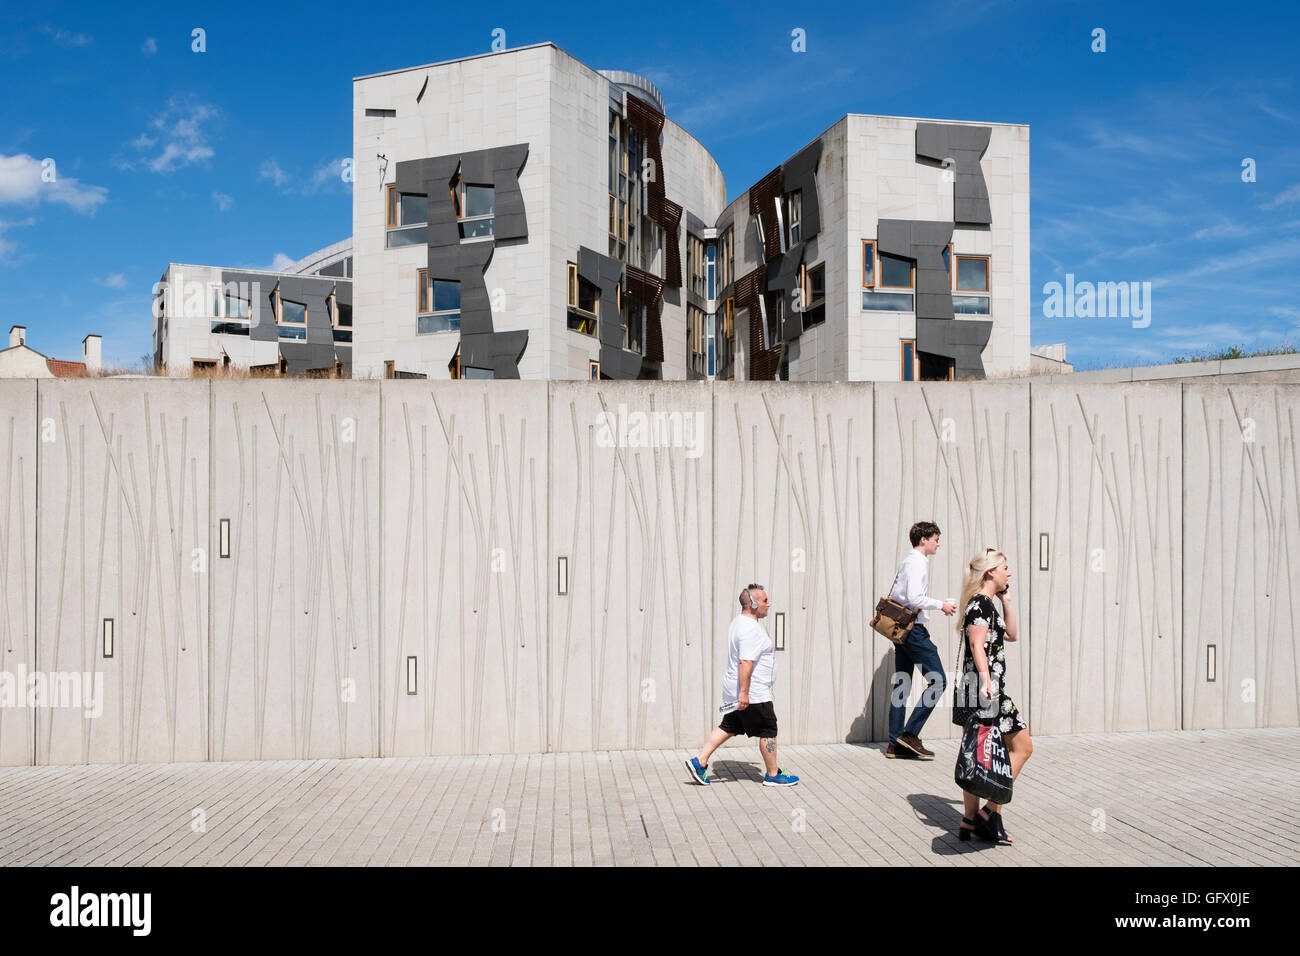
x: 893, y: 620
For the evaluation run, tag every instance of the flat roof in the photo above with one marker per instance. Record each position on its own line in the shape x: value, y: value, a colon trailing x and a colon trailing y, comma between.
x: 476, y: 56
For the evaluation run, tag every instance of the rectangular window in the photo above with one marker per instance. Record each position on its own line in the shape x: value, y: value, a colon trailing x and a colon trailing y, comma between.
x: 415, y: 208
x: 583, y: 301
x: 410, y: 236
x: 909, y: 360
x: 812, y: 284
x: 475, y: 207
x: 972, y: 274
x: 696, y: 342
x: 793, y: 217
x: 391, y: 219
x: 868, y: 265
x: 726, y: 259
x: 886, y: 302
x: 633, y: 314
x: 594, y: 369
x: 341, y: 317
x: 439, y: 304
x: 236, y: 308
x: 290, y: 317
x: 388, y: 370
x: 201, y: 365
x: 711, y: 270
x: 895, y: 272
x: 470, y: 371
x: 970, y: 304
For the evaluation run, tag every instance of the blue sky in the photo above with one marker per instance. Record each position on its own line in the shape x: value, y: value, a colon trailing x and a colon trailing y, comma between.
x: 230, y: 156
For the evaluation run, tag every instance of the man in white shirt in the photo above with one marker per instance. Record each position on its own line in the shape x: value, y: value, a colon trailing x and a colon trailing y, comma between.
x: 911, y: 585
x: 747, y: 691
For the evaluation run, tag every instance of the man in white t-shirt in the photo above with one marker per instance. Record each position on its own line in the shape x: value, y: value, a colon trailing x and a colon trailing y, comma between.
x: 747, y: 691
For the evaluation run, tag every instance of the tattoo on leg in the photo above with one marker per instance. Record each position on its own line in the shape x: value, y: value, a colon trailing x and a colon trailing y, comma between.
x: 771, y: 746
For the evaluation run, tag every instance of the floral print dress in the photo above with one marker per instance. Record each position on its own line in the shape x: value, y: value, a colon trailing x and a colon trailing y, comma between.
x: 981, y: 612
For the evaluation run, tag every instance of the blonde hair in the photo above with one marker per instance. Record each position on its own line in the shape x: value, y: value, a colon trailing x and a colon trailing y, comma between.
x: 979, y: 566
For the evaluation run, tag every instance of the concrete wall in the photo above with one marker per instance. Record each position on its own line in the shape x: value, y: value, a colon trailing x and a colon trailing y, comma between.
x: 295, y: 470
x: 1107, y: 490
x: 18, y: 561
x: 958, y: 455
x: 794, y: 511
x: 372, y: 524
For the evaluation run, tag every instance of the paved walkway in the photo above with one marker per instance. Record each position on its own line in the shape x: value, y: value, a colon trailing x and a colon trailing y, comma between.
x: 1226, y: 798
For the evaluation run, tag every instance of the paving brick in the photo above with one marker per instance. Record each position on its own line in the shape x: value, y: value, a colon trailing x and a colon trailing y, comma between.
x: 639, y: 808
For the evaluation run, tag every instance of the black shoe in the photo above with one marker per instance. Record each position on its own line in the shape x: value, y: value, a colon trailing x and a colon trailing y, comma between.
x: 984, y: 827
x: 895, y: 751
x: 964, y: 832
x: 995, y: 822
x: 913, y: 743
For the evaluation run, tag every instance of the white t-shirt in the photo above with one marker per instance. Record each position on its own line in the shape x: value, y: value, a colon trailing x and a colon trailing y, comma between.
x: 748, y: 641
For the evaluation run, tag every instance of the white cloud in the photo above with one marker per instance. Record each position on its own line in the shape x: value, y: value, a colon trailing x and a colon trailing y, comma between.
x: 329, y: 174
x: 23, y: 180
x: 114, y: 281
x: 280, y: 263
x: 7, y: 246
x: 180, y: 129
x: 66, y: 38
x: 1284, y: 197
x: 271, y: 170
x: 223, y: 201
x: 149, y: 47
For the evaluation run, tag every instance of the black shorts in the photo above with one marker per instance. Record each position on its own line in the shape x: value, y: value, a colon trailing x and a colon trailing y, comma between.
x: 756, y: 720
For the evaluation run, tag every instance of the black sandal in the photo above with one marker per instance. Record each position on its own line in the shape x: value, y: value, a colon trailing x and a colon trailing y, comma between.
x: 995, y: 820
x: 985, y: 828
x: 964, y: 832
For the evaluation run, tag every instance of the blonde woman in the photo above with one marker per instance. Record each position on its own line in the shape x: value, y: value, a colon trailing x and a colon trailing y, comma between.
x: 983, y: 628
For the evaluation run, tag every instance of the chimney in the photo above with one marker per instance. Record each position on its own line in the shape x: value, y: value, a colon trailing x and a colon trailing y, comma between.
x: 17, y: 335
x: 90, y: 353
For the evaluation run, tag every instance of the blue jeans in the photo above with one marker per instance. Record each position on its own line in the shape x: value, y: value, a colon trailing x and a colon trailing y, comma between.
x: 917, y: 650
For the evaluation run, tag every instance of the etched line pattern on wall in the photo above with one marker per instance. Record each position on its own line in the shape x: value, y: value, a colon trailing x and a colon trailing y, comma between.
x: 152, y: 684
x: 1241, y: 477
x: 791, y: 514
x: 17, y: 548
x: 469, y: 602
x: 1109, y: 465
x: 956, y: 455
x: 295, y: 668
x: 631, y: 627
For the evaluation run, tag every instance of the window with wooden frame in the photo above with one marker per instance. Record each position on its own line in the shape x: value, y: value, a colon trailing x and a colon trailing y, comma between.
x: 338, y: 369
x: 406, y: 218
x: 340, y: 318
x: 439, y: 306
x: 972, y: 273
x: 582, y: 300
x: 389, y: 371
x: 453, y: 367
x: 896, y: 272
x: 594, y: 368
x: 812, y: 291
x: 695, y: 264
x: 696, y: 342
x: 908, y: 360
x: 475, y: 208
x: 792, y: 210
x: 868, y: 264
x: 290, y: 316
